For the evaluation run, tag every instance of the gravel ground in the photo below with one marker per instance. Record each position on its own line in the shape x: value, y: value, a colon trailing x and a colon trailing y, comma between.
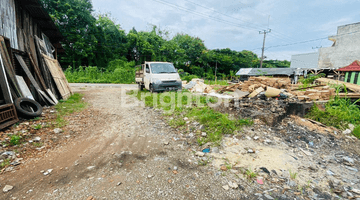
x: 131, y: 153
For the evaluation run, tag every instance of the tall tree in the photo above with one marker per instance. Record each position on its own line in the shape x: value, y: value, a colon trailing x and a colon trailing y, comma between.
x: 76, y: 23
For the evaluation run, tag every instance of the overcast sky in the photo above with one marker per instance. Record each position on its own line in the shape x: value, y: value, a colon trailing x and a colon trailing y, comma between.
x: 235, y: 24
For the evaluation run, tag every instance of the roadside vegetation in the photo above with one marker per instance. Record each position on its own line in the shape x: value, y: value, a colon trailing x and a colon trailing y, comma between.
x: 181, y: 110
x: 119, y: 71
x: 73, y: 104
x: 339, y: 113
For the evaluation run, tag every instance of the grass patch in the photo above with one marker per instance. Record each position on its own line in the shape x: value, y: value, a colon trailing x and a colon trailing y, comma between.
x: 37, y: 127
x: 195, y: 108
x: 219, y: 82
x: 339, y: 113
x: 38, y: 144
x: 293, y: 175
x: 250, y: 174
x: 5, y: 163
x: 73, y: 104
x: 15, y: 140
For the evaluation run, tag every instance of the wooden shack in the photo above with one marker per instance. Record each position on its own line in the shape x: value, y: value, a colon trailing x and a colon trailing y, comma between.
x: 29, y: 46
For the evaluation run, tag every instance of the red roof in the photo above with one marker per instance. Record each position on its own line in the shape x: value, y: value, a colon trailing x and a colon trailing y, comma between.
x: 355, y: 66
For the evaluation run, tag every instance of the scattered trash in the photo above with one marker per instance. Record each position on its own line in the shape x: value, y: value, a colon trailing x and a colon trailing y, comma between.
x: 48, y: 172
x: 207, y: 150
x: 265, y: 170
x: 200, y: 154
x: 260, y: 180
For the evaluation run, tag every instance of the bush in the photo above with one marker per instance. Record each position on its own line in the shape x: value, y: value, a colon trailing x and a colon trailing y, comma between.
x: 338, y: 113
x: 118, y: 71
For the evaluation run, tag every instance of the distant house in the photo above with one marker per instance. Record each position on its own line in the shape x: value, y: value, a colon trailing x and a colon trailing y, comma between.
x: 345, y: 49
x: 352, y: 72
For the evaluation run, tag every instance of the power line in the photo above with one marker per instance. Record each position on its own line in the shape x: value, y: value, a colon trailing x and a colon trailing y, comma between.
x: 277, y: 34
x: 307, y: 41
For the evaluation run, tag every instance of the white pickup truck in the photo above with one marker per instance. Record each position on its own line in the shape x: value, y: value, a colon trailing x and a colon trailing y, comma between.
x: 158, y: 76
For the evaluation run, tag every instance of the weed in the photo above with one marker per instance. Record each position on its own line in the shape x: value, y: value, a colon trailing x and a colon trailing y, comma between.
x: 35, y: 119
x: 293, y: 175
x: 250, y: 174
x: 15, y: 140
x: 228, y: 165
x: 37, y: 127
x: 204, y: 162
x: 175, y: 123
x: 5, y: 163
x: 37, y: 144
x: 308, y: 183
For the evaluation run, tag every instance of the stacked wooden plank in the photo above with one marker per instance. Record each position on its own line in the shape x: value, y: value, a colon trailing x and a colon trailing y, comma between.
x: 256, y: 85
x: 31, y: 74
x: 255, y: 82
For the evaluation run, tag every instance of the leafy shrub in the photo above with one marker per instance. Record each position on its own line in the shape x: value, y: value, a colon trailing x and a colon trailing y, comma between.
x: 15, y: 140
x: 339, y: 112
x: 118, y: 71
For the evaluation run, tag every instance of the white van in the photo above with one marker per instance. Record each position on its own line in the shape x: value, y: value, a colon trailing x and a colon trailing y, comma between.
x: 158, y: 76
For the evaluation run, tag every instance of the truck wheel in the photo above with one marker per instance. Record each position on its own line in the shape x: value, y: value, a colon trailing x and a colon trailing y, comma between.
x: 141, y: 87
x: 151, y: 88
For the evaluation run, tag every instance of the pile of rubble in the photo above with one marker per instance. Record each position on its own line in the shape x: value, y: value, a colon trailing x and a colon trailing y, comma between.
x: 279, y: 88
x: 197, y: 85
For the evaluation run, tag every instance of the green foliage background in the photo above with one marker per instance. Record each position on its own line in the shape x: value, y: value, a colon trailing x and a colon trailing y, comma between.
x: 96, y: 40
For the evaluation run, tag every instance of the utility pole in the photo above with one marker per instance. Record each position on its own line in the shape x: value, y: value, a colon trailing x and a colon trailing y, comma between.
x: 263, y: 48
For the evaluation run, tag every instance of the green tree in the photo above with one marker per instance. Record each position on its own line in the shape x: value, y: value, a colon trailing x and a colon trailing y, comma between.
x: 76, y: 23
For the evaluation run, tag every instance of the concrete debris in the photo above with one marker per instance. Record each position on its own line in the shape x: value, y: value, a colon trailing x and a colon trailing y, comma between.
x: 198, y: 85
x: 200, y: 154
x: 226, y: 187
x: 7, y: 188
x: 233, y: 185
x: 58, y: 130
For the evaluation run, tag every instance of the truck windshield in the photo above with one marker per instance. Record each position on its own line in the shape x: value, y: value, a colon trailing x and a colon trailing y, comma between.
x: 159, y: 68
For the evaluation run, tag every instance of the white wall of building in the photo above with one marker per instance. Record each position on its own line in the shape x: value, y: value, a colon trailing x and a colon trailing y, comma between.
x: 345, y: 50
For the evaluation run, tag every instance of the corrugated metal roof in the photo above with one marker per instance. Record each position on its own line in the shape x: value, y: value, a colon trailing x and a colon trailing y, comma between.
x: 355, y: 66
x: 268, y: 71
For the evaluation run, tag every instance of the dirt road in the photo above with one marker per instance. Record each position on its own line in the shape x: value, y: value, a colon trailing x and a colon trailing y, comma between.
x: 118, y: 149
x: 121, y: 153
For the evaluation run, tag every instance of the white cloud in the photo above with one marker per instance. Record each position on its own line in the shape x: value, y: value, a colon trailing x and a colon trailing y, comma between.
x: 291, y: 21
